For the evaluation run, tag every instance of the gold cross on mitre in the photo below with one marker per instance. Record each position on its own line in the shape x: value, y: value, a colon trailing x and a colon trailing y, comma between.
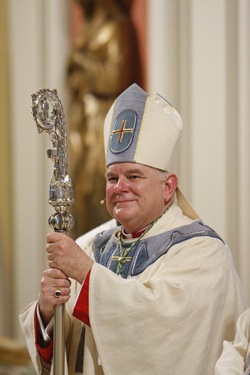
x: 122, y: 130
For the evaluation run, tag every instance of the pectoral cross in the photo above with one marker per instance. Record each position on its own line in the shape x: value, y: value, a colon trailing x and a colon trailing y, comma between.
x: 121, y: 259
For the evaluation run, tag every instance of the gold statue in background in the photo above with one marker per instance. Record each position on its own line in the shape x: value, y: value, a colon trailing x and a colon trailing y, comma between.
x: 103, y: 63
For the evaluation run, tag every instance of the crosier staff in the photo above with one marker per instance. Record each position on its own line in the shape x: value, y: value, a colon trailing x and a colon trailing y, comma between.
x: 48, y: 114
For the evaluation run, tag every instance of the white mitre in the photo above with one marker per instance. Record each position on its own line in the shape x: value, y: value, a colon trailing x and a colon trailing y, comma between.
x: 146, y: 130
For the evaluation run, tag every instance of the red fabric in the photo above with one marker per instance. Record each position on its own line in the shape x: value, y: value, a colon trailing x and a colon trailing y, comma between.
x: 137, y: 234
x: 81, y: 310
x: 45, y: 349
x: 134, y: 235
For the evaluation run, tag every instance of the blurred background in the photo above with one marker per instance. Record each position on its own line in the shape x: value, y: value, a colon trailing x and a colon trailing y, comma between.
x: 195, y: 53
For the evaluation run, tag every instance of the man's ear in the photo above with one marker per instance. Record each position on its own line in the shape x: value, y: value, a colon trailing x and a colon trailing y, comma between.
x: 171, y: 183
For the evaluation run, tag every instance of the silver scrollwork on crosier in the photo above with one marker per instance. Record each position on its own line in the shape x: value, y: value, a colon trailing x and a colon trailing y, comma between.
x: 48, y: 113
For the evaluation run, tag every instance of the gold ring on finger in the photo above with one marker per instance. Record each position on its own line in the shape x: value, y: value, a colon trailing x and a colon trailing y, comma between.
x: 57, y: 293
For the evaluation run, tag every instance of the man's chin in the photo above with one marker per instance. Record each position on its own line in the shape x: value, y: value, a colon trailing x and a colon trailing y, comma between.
x: 121, y: 215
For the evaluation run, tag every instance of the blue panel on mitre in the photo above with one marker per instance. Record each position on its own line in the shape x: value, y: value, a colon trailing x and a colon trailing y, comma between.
x: 126, y: 122
x: 123, y: 131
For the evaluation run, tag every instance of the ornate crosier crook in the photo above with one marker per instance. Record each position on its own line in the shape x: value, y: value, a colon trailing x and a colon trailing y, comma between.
x: 48, y: 114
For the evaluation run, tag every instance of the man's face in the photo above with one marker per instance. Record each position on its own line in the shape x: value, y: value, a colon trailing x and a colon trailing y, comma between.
x: 134, y: 195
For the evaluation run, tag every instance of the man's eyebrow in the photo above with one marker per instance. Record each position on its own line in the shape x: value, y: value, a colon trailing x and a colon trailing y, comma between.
x: 109, y: 173
x: 129, y: 171
x: 134, y: 170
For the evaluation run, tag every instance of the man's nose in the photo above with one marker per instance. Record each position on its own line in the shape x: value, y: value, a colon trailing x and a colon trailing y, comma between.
x: 120, y: 185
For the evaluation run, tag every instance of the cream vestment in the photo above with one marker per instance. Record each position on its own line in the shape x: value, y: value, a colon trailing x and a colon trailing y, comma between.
x: 171, y: 319
x: 235, y: 357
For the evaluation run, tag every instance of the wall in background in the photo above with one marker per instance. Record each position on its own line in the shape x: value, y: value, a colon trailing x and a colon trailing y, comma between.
x: 200, y: 63
x: 6, y: 248
x: 38, y: 48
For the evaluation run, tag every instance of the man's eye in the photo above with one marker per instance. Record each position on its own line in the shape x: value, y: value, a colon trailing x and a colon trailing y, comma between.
x: 112, y: 179
x: 134, y: 176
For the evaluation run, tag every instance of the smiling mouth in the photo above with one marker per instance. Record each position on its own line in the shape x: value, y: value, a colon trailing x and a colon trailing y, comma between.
x: 124, y: 201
